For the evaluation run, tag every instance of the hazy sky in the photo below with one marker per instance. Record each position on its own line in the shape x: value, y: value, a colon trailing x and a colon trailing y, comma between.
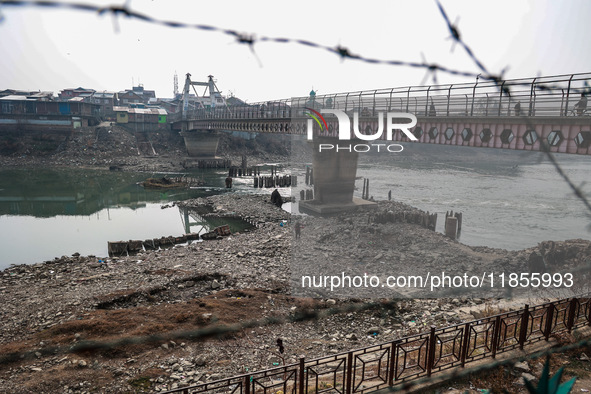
x: 44, y: 49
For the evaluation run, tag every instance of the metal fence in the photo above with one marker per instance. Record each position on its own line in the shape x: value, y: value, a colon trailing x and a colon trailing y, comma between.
x: 422, y: 355
x: 541, y: 96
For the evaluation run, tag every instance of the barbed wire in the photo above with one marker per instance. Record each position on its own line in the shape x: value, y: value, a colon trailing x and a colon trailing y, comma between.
x: 251, y: 39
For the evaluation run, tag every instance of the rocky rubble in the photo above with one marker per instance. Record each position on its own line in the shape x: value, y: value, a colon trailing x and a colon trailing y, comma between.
x: 110, y: 145
x: 243, y: 277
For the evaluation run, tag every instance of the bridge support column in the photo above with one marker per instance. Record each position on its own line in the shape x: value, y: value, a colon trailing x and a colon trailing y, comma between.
x: 335, y: 171
x: 203, y: 144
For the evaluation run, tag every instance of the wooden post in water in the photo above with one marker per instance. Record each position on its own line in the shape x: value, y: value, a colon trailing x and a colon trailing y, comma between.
x: 458, y: 215
x: 451, y: 226
x: 244, y: 164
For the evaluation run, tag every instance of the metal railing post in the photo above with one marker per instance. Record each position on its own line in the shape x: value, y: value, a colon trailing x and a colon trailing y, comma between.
x: 473, y: 96
x: 348, y: 388
x: 448, y: 98
x: 427, y: 102
x: 431, y: 351
x: 561, y: 102
x: 301, y: 377
x: 247, y: 384
x: 346, y: 102
x: 531, y: 93
x: 393, y: 363
x: 465, y: 344
x: 360, y: 104
x: 407, y: 98
x: 501, y: 98
x: 390, y: 102
x: 572, y: 310
x: 549, y: 320
x: 568, y: 95
x: 524, y: 323
x: 496, y: 338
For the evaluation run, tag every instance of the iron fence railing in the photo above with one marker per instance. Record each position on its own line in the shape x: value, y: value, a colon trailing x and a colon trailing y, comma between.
x: 541, y: 96
x: 417, y: 356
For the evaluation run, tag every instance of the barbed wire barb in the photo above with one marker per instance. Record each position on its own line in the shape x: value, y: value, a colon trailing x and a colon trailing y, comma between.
x: 455, y: 33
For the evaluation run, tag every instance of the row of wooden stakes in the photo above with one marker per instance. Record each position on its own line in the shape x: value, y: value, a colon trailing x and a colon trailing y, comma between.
x: 424, y: 219
x: 275, y: 181
x: 121, y: 248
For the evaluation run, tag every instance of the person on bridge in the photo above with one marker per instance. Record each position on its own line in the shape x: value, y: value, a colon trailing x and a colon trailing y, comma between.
x: 581, y: 105
x: 518, y: 109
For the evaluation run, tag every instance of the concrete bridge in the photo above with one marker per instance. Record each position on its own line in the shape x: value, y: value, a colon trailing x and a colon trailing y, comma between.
x: 524, y: 114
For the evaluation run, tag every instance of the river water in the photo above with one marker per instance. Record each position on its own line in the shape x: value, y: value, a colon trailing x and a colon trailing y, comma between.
x: 47, y: 213
x: 508, y: 199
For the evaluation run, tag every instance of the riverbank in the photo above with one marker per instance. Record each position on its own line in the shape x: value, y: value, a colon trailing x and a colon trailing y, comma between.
x: 110, y: 145
x: 243, y: 277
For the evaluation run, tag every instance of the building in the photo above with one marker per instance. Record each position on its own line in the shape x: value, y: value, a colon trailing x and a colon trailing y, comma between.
x: 137, y: 95
x: 140, y: 117
x: 129, y: 97
x: 106, y: 100
x: 37, y: 112
x: 67, y: 94
x: 146, y: 95
x: 37, y: 95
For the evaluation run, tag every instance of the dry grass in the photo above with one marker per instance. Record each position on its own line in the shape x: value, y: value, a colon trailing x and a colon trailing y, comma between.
x: 224, y: 307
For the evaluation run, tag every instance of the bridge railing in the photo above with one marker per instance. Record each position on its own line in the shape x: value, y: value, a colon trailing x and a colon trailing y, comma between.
x: 406, y: 359
x: 541, y: 96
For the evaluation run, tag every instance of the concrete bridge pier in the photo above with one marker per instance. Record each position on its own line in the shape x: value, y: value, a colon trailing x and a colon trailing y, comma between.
x: 335, y: 171
x: 201, y: 144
